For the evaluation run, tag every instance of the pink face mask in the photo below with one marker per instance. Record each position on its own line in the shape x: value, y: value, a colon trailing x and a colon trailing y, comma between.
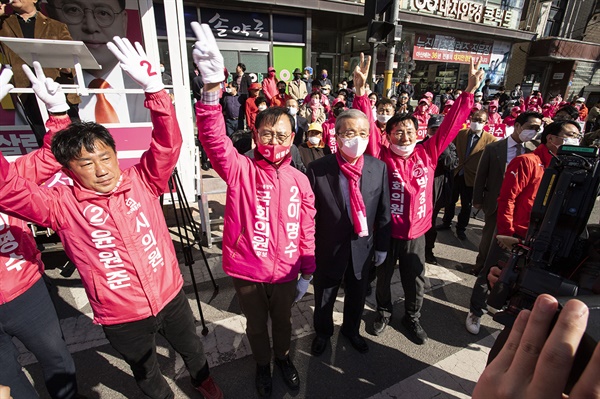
x: 273, y: 153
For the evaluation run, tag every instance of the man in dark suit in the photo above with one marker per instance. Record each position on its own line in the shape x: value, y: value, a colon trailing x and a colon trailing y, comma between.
x: 27, y: 22
x: 469, y: 147
x: 352, y: 224
x: 488, y: 181
x: 300, y: 121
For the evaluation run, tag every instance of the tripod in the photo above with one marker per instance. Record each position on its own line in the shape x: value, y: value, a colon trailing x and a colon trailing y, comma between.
x: 184, y: 220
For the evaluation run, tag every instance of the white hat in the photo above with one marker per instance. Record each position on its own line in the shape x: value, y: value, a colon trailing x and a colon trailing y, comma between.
x: 580, y: 100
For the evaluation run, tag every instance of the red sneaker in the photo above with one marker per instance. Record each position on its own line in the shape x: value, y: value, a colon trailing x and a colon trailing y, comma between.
x: 209, y: 389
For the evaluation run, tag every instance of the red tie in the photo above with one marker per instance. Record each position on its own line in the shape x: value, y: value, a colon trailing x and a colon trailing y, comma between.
x: 105, y: 113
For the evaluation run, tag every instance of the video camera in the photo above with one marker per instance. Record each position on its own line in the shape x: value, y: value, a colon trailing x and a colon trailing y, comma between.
x: 555, y: 245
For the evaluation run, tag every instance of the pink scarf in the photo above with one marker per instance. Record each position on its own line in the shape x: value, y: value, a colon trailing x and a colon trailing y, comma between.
x: 357, y: 205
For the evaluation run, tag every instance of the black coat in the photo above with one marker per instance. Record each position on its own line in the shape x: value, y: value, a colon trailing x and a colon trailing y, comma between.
x: 335, y: 238
x: 309, y: 154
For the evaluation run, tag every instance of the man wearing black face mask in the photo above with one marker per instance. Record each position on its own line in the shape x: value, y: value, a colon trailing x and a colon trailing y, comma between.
x: 297, y: 88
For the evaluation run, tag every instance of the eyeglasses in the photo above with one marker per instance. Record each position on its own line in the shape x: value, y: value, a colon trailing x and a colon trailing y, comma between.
x: 350, y: 134
x: 74, y: 14
x: 267, y: 137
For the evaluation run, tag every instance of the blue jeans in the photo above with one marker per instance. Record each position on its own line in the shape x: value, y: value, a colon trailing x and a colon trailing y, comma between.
x: 31, y: 318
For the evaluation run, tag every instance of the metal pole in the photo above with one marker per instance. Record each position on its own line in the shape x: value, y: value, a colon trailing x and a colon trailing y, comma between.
x: 389, y: 64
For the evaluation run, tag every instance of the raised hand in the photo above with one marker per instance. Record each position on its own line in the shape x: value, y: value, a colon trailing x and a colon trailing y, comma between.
x: 46, y: 89
x: 5, y: 87
x: 134, y: 61
x: 476, y: 75
x: 206, y: 55
x: 361, y: 73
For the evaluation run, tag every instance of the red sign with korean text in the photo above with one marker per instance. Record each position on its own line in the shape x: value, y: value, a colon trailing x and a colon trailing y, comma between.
x: 498, y: 130
x: 421, y: 132
x: 451, y: 49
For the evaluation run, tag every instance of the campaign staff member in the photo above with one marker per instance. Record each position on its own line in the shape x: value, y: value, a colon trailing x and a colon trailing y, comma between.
x: 112, y: 227
x: 269, y: 233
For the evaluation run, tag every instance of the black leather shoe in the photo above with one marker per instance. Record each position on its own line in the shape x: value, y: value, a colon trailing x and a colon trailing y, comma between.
x: 443, y: 226
x: 358, y: 343
x: 319, y: 345
x: 289, y: 373
x: 461, y: 234
x: 416, y: 332
x: 264, y: 382
x: 380, y: 324
x: 430, y: 258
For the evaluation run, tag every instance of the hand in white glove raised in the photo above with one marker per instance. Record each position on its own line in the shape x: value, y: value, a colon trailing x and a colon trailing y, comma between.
x: 301, y: 288
x: 5, y: 77
x: 207, y: 56
x: 46, y: 89
x: 380, y: 257
x: 134, y: 61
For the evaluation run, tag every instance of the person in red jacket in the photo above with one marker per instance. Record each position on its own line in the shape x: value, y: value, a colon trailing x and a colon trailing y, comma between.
x: 494, y: 118
x: 269, y: 232
x: 251, y: 106
x: 411, y: 168
x: 26, y: 310
x: 269, y: 86
x: 524, y: 175
x: 113, y: 229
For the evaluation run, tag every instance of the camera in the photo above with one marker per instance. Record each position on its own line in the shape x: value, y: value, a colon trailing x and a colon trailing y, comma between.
x: 555, y: 247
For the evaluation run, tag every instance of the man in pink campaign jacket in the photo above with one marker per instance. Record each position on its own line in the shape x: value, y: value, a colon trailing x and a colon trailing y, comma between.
x: 26, y: 310
x: 411, y: 168
x: 112, y: 227
x: 269, y: 230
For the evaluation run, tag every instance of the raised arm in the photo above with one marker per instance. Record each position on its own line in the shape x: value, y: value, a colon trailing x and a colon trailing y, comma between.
x: 158, y: 162
x: 361, y: 102
x: 225, y: 159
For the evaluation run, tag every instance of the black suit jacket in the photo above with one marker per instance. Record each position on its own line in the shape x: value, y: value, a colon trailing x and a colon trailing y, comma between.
x: 300, y: 130
x: 335, y: 238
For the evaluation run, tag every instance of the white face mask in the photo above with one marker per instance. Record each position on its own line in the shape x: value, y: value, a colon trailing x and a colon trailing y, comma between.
x: 314, y: 140
x: 477, y: 126
x: 292, y: 111
x: 403, y: 150
x: 228, y: 90
x: 527, y: 135
x: 162, y: 69
x: 383, y: 119
x: 570, y: 141
x: 354, y: 147
x: 262, y: 107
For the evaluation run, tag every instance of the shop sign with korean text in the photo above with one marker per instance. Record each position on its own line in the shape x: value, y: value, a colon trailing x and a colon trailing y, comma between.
x: 441, y: 48
x: 469, y: 11
x: 227, y: 24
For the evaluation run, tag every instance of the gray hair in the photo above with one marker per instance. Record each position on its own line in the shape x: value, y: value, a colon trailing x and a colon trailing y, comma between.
x: 348, y: 114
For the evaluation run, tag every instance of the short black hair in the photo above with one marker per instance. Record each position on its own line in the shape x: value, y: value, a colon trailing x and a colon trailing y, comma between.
x: 524, y: 117
x: 316, y: 82
x: 399, y: 118
x: 242, y: 66
x: 233, y: 83
x: 271, y: 115
x: 68, y: 143
x: 555, y: 128
x: 315, y: 93
x: 384, y: 101
x: 570, y: 110
x: 260, y: 100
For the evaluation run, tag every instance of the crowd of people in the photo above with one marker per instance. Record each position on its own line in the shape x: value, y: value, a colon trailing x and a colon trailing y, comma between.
x: 333, y: 189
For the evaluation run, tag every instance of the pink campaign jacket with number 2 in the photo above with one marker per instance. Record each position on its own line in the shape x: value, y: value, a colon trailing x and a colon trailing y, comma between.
x: 269, y: 227
x: 20, y: 261
x: 119, y: 241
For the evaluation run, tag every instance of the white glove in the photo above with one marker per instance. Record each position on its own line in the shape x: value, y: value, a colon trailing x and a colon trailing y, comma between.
x: 207, y: 56
x: 301, y: 288
x: 135, y: 62
x: 380, y: 257
x: 5, y: 77
x: 46, y: 89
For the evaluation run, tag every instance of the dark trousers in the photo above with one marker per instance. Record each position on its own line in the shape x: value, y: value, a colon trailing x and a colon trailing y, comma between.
x: 258, y: 302
x: 460, y: 189
x: 326, y: 289
x: 487, y: 236
x: 410, y: 255
x: 231, y: 125
x: 431, y: 234
x: 136, y: 342
x: 31, y: 318
x: 481, y: 287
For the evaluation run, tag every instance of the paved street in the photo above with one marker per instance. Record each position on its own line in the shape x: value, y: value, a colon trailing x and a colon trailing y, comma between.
x: 447, y: 366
